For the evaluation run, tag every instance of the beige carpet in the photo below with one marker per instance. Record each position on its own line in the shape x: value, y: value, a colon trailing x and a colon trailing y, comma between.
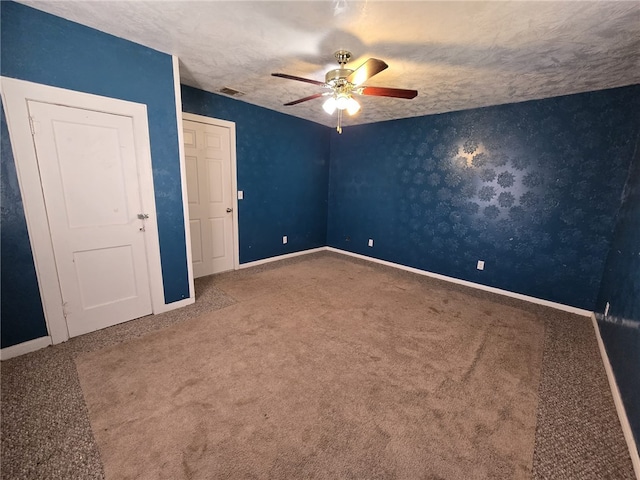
x: 323, y: 369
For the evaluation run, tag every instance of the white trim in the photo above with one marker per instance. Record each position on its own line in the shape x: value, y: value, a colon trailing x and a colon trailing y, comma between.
x: 192, y: 117
x: 183, y: 186
x: 34, y: 211
x: 15, y: 94
x: 147, y: 197
x: 179, y: 304
x: 234, y: 192
x: 506, y: 293
x: 25, y: 347
x: 479, y: 286
x: 281, y: 257
x: 617, y: 400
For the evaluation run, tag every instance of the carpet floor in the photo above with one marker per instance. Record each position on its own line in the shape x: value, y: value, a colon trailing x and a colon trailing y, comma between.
x: 321, y: 366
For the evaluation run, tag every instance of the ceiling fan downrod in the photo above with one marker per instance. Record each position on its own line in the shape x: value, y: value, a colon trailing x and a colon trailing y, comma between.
x: 342, y: 56
x: 337, y: 78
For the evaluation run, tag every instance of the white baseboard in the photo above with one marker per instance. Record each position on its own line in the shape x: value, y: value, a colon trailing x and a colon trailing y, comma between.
x: 281, y: 257
x: 25, y: 347
x: 479, y: 286
x: 617, y: 400
x: 172, y: 306
x: 38, y: 343
x: 42, y: 342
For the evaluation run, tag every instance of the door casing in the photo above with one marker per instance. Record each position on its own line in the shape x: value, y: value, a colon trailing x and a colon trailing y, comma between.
x: 15, y: 94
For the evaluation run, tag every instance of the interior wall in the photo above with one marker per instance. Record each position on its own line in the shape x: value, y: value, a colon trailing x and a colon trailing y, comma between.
x: 283, y: 167
x: 532, y: 189
x: 45, y: 49
x: 620, y: 287
x: 20, y: 310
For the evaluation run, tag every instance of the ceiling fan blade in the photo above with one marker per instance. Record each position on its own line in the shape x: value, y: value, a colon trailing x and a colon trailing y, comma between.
x: 300, y: 79
x: 388, y: 92
x: 310, y: 97
x: 368, y: 69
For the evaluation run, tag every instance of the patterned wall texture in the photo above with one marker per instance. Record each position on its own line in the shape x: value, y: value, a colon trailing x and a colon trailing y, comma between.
x: 531, y: 188
x: 283, y: 168
x: 621, y: 288
x: 621, y: 280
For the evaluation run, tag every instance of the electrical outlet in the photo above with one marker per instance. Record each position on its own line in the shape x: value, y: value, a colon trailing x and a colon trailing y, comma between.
x: 284, y: 240
x: 240, y: 194
x: 606, y: 309
x: 371, y: 242
x: 480, y: 265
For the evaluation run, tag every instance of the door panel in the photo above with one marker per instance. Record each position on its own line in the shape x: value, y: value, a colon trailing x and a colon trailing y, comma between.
x: 91, y: 169
x: 193, y: 191
x: 216, y: 184
x: 116, y: 282
x: 196, y: 242
x: 218, y: 238
x: 89, y: 176
x: 208, y: 164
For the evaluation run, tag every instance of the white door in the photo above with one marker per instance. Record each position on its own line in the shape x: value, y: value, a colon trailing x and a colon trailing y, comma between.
x: 88, y: 169
x: 209, y: 187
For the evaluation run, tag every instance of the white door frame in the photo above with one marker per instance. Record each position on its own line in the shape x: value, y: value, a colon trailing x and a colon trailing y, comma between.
x: 15, y: 94
x: 234, y: 180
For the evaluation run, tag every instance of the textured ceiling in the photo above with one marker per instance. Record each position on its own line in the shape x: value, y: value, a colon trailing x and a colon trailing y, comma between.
x: 458, y: 55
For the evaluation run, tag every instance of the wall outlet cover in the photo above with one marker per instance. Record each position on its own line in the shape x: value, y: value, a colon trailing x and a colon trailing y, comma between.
x: 480, y: 265
x: 284, y: 239
x: 371, y: 242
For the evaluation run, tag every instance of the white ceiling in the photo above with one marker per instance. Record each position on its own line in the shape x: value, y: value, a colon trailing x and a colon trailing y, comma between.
x: 458, y: 55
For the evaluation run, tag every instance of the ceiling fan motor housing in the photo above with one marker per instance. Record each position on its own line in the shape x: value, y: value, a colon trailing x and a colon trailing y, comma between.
x: 337, y: 77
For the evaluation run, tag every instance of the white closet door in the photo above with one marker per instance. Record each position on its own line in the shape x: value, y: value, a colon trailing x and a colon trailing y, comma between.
x: 89, y: 176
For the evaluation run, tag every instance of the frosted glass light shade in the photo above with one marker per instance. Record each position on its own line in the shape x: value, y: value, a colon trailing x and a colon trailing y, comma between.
x: 330, y: 105
x: 352, y: 106
x: 342, y: 101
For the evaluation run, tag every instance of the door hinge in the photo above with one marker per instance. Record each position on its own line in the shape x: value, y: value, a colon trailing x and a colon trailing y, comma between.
x: 64, y: 310
x: 32, y: 125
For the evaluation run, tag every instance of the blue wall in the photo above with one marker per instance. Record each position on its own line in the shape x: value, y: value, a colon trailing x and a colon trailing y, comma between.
x: 531, y: 188
x: 283, y: 167
x: 20, y: 309
x: 621, y: 288
x: 42, y: 48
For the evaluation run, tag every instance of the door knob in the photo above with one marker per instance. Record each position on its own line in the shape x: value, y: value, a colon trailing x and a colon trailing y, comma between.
x: 229, y: 210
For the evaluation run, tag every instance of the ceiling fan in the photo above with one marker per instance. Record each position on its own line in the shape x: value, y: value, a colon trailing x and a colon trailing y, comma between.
x: 343, y: 83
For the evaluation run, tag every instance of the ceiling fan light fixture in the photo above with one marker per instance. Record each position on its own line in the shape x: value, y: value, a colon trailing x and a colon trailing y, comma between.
x: 352, y: 106
x: 330, y: 105
x: 344, y: 82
